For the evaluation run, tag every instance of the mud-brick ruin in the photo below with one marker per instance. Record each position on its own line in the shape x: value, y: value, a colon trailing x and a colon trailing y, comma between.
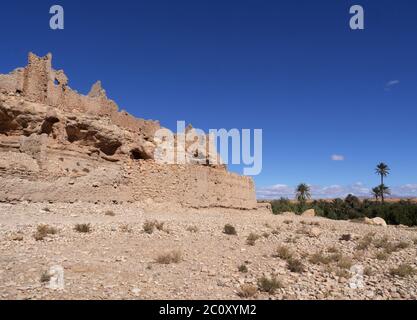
x: 59, y: 145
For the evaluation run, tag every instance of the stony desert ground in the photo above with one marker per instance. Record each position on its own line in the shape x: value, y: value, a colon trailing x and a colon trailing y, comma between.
x: 191, y: 257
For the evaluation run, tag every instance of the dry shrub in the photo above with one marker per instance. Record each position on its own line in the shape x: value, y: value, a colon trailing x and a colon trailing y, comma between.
x: 229, y: 229
x: 275, y: 231
x: 302, y: 230
x: 403, y: 270
x: 394, y: 247
x: 126, y: 228
x: 333, y: 249
x: 110, y: 213
x: 292, y: 239
x: 319, y: 258
x: 367, y: 271
x: 382, y: 242
x: 192, y: 229
x: 252, y: 239
x: 247, y: 291
x: 243, y: 268
x: 149, y: 226
x: 45, y: 277
x: 342, y: 273
x: 83, y: 228
x: 159, y: 225
x: 358, y: 255
x: 382, y: 256
x: 269, y: 285
x: 283, y: 252
x: 365, y: 242
x: 174, y: 256
x: 402, y: 245
x: 295, y: 265
x: 43, y: 230
x: 345, y: 237
x: 345, y: 263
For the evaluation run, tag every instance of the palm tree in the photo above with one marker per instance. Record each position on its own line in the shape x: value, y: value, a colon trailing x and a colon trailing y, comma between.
x: 375, y: 193
x: 383, y: 170
x: 302, y: 192
x: 383, y: 190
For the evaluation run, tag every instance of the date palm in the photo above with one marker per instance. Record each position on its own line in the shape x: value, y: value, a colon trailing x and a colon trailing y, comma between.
x: 302, y: 192
x: 383, y: 170
x: 375, y: 193
x: 383, y: 190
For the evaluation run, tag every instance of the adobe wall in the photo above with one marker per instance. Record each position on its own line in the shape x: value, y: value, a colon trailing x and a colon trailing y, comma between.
x: 192, y: 186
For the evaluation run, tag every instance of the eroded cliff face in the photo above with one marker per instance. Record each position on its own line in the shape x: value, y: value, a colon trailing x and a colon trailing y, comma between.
x: 58, y: 145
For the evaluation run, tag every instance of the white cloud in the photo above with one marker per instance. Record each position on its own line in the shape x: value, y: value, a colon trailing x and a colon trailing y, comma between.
x: 337, y: 157
x: 390, y: 84
x: 334, y: 191
x: 275, y: 191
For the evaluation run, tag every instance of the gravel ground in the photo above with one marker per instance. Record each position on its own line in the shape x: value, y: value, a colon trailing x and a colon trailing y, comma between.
x: 117, y: 259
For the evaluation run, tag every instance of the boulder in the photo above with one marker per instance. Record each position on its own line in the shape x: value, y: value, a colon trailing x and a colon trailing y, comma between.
x: 309, y: 213
x: 375, y: 222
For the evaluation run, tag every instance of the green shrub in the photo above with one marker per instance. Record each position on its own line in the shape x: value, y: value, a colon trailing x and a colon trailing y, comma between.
x: 402, y: 212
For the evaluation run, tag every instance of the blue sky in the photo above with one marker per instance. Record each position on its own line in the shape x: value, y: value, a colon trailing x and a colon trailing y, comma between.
x: 292, y: 68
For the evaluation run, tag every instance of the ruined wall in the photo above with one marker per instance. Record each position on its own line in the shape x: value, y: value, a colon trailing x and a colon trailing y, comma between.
x: 58, y: 145
x: 39, y: 82
x: 12, y: 82
x: 187, y: 186
x: 192, y: 186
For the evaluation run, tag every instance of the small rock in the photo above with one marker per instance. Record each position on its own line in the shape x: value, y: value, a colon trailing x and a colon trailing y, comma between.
x: 314, y: 232
x: 136, y: 291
